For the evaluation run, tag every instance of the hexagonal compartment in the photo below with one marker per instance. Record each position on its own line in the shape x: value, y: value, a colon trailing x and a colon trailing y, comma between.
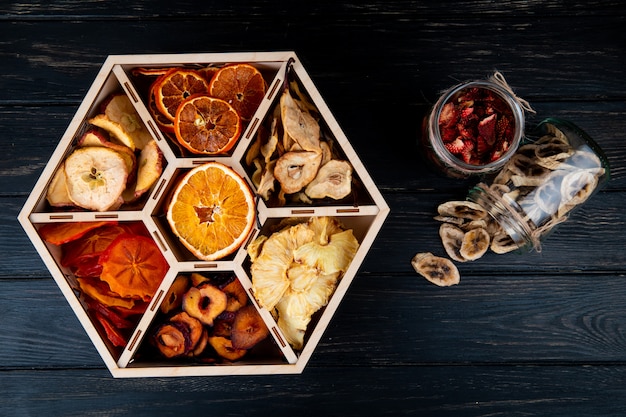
x: 83, y: 134
x: 77, y: 250
x: 170, y: 341
x: 364, y: 214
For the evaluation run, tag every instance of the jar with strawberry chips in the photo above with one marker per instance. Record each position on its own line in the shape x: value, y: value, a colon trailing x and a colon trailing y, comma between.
x: 474, y: 128
x: 555, y: 171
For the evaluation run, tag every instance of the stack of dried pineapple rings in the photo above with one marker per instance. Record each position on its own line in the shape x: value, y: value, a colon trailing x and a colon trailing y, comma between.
x: 535, y: 190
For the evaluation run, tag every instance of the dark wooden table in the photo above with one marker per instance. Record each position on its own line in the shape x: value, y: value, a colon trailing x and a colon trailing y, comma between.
x: 532, y: 334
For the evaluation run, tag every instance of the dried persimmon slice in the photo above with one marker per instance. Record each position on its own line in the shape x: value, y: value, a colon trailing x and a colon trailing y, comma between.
x: 241, y: 85
x: 60, y: 233
x: 133, y: 266
x: 92, y: 243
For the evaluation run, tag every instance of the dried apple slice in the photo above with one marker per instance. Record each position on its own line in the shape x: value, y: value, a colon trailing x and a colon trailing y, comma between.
x: 149, y: 168
x: 57, y: 194
x: 95, y: 137
x: 115, y: 129
x: 119, y: 109
x: 96, y: 177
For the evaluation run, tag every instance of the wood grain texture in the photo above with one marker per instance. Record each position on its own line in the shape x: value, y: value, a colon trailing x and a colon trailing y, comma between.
x: 523, y: 334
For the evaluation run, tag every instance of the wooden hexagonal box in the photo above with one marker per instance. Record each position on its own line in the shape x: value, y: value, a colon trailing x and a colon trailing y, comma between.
x: 204, y: 214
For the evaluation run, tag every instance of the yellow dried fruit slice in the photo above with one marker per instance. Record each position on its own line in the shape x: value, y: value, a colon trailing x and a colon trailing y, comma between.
x: 95, y: 178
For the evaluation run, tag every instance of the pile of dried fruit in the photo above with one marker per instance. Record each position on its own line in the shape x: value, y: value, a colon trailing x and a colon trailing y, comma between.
x: 115, y: 162
x: 207, y: 318
x: 293, y: 153
x: 476, y: 125
x: 296, y: 270
x: 541, y: 184
x: 118, y: 269
x: 204, y: 108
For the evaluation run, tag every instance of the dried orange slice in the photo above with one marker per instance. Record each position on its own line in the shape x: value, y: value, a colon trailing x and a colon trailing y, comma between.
x: 212, y: 211
x: 175, y: 86
x: 165, y: 124
x: 207, y: 125
x: 241, y: 85
x: 133, y: 266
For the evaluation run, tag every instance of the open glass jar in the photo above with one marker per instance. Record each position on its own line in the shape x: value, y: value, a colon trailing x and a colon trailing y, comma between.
x: 473, y: 128
x: 549, y: 176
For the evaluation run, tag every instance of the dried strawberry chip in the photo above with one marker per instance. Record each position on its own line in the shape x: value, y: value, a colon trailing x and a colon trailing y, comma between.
x: 487, y: 129
x: 455, y: 147
x: 449, y: 115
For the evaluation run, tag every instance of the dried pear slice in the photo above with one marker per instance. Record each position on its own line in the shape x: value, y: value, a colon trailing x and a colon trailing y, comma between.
x: 452, y: 239
x: 96, y: 177
x: 299, y: 124
x: 440, y: 271
x: 462, y: 209
x: 295, y: 170
x: 475, y: 244
x: 334, y: 180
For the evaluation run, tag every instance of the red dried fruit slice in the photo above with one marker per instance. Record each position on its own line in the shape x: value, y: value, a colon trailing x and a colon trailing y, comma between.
x: 487, y: 129
x: 91, y: 244
x: 60, y: 233
x: 133, y: 266
x: 114, y: 335
x: 100, y: 291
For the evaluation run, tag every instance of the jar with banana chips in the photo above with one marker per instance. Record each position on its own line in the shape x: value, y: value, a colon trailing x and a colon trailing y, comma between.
x: 542, y: 183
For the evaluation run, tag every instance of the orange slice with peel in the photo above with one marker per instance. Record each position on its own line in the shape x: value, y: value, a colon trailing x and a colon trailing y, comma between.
x: 207, y: 125
x: 241, y: 85
x: 175, y: 86
x: 133, y: 266
x: 212, y: 211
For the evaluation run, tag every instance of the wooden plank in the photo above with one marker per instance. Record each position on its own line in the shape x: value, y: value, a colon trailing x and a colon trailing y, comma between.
x: 580, y: 244
x: 441, y: 391
x: 62, y: 67
x: 398, y: 169
x: 384, y: 321
x: 115, y: 9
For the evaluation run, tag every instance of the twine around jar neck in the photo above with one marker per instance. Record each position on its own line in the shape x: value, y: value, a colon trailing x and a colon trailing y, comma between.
x: 499, y: 79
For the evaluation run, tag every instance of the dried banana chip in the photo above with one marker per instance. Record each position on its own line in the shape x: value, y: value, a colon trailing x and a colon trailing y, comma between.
x: 452, y: 239
x: 450, y: 219
x: 548, y: 195
x: 462, y: 209
x: 440, y: 271
x: 475, y: 244
x: 577, y: 186
x: 502, y: 243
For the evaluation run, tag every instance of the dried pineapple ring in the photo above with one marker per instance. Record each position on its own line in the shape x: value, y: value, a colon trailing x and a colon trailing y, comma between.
x: 96, y: 177
x: 439, y: 271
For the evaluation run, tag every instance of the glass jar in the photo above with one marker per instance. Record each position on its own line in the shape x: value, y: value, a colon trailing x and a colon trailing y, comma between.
x: 463, y: 116
x: 549, y: 176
